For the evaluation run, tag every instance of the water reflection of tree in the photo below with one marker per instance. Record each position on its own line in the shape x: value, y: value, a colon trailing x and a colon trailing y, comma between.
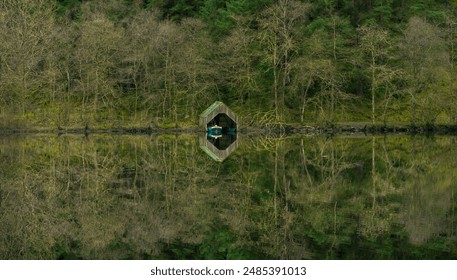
x: 377, y: 216
x: 429, y: 204
x: 411, y: 195
x: 355, y: 197
x: 324, y: 162
x: 111, y: 197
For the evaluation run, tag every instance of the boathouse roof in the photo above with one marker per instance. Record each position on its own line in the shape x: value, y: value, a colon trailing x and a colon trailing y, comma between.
x: 215, y: 109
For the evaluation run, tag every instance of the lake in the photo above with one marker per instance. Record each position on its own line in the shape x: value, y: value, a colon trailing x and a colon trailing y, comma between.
x: 274, y: 197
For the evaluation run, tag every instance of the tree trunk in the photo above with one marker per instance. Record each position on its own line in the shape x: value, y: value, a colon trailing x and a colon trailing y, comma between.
x: 373, y: 91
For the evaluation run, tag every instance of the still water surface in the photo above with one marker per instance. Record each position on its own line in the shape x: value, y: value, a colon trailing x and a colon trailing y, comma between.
x: 162, y: 197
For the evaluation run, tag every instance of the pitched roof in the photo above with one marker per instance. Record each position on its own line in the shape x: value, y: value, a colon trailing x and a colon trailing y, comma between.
x: 215, y: 109
x: 210, y: 109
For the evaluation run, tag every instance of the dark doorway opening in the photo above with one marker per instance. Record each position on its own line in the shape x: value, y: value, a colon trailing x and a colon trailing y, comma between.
x: 228, y: 125
x: 223, y: 141
x: 227, y: 134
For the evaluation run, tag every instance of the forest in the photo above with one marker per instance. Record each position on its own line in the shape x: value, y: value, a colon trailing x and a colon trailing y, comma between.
x: 143, y: 63
x: 109, y: 65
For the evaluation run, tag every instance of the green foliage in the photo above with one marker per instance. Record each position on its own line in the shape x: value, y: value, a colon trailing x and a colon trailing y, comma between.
x: 220, y: 15
x: 68, y: 7
x: 216, y: 15
x: 176, y: 9
x: 163, y: 61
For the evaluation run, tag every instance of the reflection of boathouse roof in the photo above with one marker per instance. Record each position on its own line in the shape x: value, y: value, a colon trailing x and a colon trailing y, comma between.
x: 215, y: 153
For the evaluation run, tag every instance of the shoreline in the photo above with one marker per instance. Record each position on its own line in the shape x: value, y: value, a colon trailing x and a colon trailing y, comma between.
x: 286, y: 129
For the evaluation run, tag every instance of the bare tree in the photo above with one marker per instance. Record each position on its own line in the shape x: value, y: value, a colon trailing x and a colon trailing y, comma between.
x: 138, y: 72
x: 424, y: 52
x: 97, y: 56
x: 376, y: 46
x: 278, y: 35
x: 237, y: 66
x: 25, y: 42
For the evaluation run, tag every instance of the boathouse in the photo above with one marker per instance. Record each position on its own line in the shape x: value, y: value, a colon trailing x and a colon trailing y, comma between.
x: 219, y: 146
x: 218, y: 114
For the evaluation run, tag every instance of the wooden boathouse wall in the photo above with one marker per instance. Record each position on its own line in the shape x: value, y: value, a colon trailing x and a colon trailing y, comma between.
x: 215, y: 153
x: 215, y: 109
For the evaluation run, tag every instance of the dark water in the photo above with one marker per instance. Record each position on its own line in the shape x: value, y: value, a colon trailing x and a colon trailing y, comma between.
x: 162, y: 197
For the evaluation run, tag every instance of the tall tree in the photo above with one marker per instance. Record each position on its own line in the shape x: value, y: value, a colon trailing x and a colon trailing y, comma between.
x: 97, y: 55
x: 25, y: 42
x: 278, y: 27
x: 139, y: 71
x: 318, y: 75
x: 424, y: 53
x: 196, y: 71
x: 237, y: 62
x: 376, y: 46
x: 451, y: 24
